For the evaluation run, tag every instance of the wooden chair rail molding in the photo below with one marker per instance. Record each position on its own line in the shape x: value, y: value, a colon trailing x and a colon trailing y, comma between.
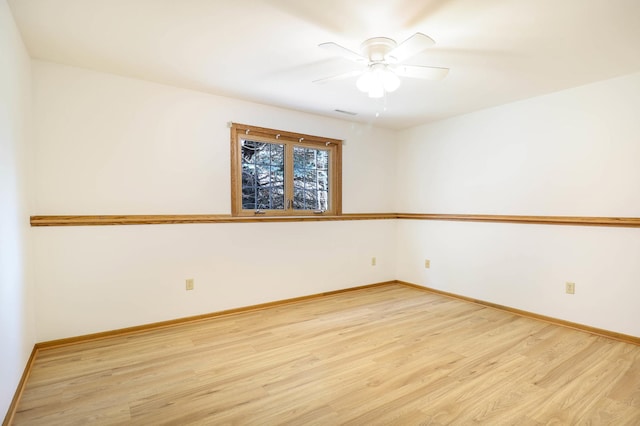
x: 629, y: 222
x: 191, y: 218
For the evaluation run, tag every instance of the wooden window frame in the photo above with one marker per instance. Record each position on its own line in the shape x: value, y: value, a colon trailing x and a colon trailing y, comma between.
x: 241, y: 131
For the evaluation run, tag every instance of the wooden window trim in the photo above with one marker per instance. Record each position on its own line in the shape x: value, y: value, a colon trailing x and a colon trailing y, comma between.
x: 290, y: 138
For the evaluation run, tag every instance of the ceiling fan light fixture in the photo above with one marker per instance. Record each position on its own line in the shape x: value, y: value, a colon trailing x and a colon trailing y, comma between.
x: 365, y: 81
x: 377, y: 81
x: 376, y: 91
x: 390, y: 80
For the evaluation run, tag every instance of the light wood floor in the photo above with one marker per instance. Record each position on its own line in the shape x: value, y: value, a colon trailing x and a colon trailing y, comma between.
x: 385, y: 355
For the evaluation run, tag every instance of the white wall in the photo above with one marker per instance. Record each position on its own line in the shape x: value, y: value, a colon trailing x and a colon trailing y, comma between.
x: 112, y: 145
x: 17, y: 335
x: 574, y: 153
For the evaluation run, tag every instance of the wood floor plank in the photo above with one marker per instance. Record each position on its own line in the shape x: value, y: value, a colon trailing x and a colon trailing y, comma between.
x: 375, y: 356
x: 626, y: 389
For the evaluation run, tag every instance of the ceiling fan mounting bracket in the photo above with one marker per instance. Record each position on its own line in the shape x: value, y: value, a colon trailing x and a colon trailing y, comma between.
x: 377, y: 48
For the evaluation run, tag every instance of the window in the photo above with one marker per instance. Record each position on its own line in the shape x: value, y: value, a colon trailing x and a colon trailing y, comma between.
x: 282, y: 173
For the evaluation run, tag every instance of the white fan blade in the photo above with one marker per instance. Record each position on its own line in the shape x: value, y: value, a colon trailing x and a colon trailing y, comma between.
x: 418, y: 71
x: 338, y: 50
x: 410, y: 47
x: 338, y: 77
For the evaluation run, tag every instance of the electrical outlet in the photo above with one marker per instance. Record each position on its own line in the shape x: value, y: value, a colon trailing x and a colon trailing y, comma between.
x: 427, y: 263
x: 189, y: 284
x: 373, y: 261
x: 570, y: 288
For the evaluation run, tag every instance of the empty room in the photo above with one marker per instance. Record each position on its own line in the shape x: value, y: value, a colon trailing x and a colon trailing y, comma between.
x: 393, y: 212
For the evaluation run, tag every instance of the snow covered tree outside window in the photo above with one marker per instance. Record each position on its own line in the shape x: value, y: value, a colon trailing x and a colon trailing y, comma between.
x: 262, y: 175
x: 310, y: 178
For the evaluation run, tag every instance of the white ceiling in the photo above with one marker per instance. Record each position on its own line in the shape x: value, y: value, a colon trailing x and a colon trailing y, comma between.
x: 267, y: 50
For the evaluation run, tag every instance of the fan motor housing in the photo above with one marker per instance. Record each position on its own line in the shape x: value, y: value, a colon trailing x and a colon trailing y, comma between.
x: 376, y: 48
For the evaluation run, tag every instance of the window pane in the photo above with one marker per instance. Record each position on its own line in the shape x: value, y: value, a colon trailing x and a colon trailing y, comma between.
x: 263, y: 155
x: 298, y: 197
x: 263, y: 199
x: 249, y: 149
x: 323, y: 180
x: 311, y: 199
x: 262, y: 175
x: 310, y: 158
x: 298, y: 156
x: 323, y: 159
x: 310, y: 178
x: 249, y: 197
x: 277, y: 198
x: 277, y: 154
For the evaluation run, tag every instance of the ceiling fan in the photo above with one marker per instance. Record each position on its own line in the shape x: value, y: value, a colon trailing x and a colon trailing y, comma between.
x: 384, y: 59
